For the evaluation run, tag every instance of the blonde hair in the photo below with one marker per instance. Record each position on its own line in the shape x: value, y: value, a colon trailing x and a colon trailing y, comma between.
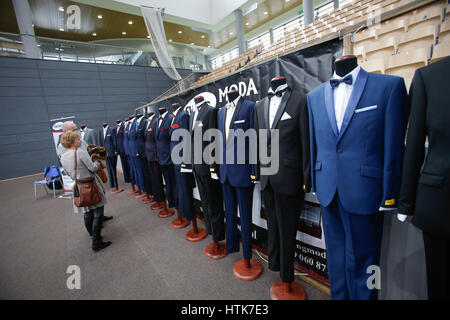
x: 68, y: 138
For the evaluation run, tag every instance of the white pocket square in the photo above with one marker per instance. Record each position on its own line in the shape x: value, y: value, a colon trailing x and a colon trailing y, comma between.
x: 240, y: 121
x: 366, y: 109
x: 285, y: 116
x: 200, y: 124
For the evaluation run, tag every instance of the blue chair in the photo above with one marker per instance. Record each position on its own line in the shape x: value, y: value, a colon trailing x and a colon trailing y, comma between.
x: 52, y: 175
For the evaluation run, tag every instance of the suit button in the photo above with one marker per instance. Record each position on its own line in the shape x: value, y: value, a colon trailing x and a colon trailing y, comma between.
x: 339, y: 151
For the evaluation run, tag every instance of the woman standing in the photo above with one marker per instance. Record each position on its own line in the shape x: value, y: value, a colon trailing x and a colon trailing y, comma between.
x: 85, y: 168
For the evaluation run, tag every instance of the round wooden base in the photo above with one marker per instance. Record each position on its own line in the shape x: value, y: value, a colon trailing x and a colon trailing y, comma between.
x: 139, y: 196
x: 211, y: 251
x: 148, y: 200
x: 194, y: 237
x: 242, y: 272
x: 132, y: 191
x: 166, y: 213
x: 279, y: 291
x: 114, y: 191
x: 157, y: 206
x: 179, y: 223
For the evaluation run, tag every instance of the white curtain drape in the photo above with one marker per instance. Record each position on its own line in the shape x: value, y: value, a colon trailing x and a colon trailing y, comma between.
x: 155, y: 28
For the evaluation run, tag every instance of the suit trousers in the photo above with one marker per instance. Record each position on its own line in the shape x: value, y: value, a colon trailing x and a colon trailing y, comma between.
x: 125, y: 167
x: 156, y: 181
x: 241, y: 197
x: 212, y: 204
x: 111, y: 164
x: 185, y: 199
x: 437, y: 256
x: 169, y: 179
x: 283, y: 212
x: 146, y: 175
x: 133, y: 179
x: 353, y: 243
x: 138, y: 171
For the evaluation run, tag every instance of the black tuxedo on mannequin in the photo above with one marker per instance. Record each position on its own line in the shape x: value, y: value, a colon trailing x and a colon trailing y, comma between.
x: 140, y: 143
x: 283, y: 192
x: 210, y: 189
x: 425, y: 189
x: 108, y: 140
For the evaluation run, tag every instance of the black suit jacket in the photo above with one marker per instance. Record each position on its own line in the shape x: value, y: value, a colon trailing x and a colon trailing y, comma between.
x: 293, y: 176
x: 425, y: 189
x: 109, y: 142
x: 206, y: 119
x: 119, y: 138
x: 150, y: 140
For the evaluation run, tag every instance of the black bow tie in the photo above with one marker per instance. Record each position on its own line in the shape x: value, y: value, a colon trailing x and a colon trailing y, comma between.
x: 278, y: 93
x: 347, y: 79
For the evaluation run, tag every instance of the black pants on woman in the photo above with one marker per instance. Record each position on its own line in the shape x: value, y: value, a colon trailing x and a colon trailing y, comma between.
x: 93, y: 222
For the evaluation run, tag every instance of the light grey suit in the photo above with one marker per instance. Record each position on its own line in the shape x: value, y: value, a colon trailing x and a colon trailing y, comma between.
x: 91, y: 137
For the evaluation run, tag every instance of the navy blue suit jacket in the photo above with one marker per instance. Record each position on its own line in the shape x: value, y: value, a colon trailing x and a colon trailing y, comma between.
x: 109, y: 142
x: 181, y: 121
x: 150, y: 140
x: 140, y: 138
x: 132, y: 143
x: 163, y: 140
x: 238, y: 175
x: 119, y: 138
x: 126, y: 139
x: 363, y: 161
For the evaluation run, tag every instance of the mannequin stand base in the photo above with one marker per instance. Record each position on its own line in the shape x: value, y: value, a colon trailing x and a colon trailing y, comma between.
x: 191, y: 236
x: 157, y: 206
x: 132, y: 191
x: 243, y: 272
x: 148, y: 200
x: 139, y: 196
x: 280, y: 292
x: 179, y: 223
x: 114, y: 191
x: 211, y: 251
x: 166, y: 213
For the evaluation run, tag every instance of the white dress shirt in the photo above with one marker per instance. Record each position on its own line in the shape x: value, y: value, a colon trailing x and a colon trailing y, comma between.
x: 342, y: 95
x: 104, y: 132
x: 174, y: 115
x: 118, y: 127
x: 231, y: 108
x: 162, y: 117
x: 195, y: 110
x: 275, y: 103
x: 82, y: 133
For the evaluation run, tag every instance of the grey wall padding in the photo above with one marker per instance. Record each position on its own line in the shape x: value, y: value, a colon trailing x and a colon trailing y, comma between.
x: 34, y: 91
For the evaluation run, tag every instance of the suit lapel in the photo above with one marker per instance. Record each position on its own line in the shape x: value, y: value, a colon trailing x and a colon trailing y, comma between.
x: 329, y: 104
x: 266, y: 115
x: 236, y: 112
x: 200, y: 114
x: 357, y: 92
x: 281, y: 108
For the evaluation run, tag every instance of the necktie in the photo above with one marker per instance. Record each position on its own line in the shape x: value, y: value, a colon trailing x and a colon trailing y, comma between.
x: 347, y: 80
x: 278, y: 93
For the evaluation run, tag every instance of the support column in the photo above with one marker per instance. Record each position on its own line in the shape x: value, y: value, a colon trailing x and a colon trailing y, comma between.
x: 272, y: 39
x: 240, y: 30
x: 24, y: 21
x: 336, y: 4
x: 308, y: 12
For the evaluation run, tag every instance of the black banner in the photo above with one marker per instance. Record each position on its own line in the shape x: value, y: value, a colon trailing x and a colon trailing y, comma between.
x: 303, y: 70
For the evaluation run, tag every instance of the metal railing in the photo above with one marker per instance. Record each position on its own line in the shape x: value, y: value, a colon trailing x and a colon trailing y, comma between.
x: 64, y: 50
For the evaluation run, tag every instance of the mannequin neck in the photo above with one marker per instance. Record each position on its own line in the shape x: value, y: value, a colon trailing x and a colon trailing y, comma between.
x: 277, y: 82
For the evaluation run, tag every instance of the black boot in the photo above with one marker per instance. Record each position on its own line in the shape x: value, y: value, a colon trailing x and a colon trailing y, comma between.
x: 97, y: 242
x: 88, y: 220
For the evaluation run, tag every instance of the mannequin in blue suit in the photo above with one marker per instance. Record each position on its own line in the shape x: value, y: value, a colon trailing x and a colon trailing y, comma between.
x: 356, y: 164
x: 107, y: 138
x: 126, y: 147
x: 184, y: 182
x: 163, y: 152
x: 136, y: 125
x: 236, y: 178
